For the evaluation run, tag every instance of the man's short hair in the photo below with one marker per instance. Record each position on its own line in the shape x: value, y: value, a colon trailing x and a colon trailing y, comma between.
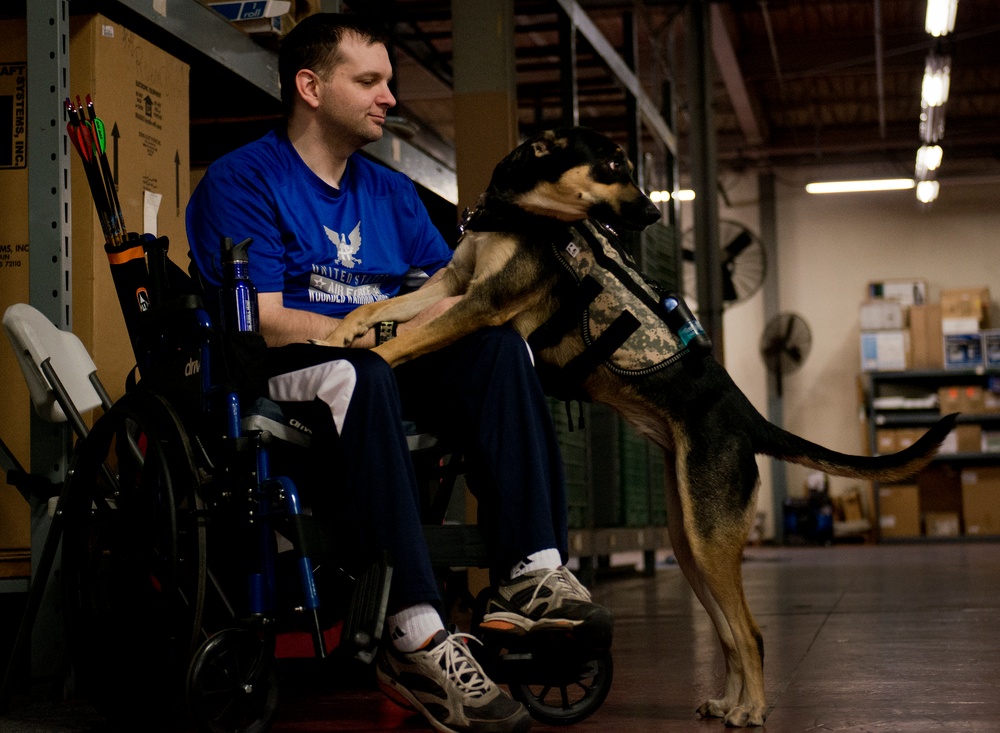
x: 313, y: 44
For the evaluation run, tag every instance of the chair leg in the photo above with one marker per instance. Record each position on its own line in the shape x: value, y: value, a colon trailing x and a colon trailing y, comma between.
x: 38, y: 583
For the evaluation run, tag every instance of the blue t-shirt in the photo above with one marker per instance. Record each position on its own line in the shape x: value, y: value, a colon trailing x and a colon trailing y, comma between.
x: 329, y: 250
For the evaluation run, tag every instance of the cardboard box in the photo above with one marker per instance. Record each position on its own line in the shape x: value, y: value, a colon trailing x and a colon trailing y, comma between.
x: 899, y: 510
x: 940, y: 488
x: 981, y: 500
x: 884, y: 351
x: 959, y: 325
x: 942, y: 524
x: 141, y: 94
x: 907, y: 292
x: 967, y: 303
x: 950, y: 399
x: 14, y: 400
x: 963, y: 398
x: 886, y: 441
x: 883, y: 315
x: 963, y: 351
x: 963, y: 439
x: 851, y: 507
x: 926, y: 344
x: 990, y: 441
x: 891, y: 440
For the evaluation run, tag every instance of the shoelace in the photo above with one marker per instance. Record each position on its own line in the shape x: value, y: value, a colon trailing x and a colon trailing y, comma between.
x: 459, y: 665
x: 575, y: 588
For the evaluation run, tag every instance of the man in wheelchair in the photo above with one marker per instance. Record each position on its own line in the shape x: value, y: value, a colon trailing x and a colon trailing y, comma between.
x: 331, y: 231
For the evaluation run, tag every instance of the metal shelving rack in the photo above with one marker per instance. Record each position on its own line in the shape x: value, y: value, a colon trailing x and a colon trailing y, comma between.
x: 931, y: 380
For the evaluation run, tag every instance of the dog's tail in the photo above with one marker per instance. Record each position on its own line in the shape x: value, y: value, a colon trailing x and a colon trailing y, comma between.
x: 785, y: 446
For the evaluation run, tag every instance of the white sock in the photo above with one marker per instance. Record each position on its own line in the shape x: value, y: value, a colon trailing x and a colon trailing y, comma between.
x: 413, y: 627
x: 548, y: 559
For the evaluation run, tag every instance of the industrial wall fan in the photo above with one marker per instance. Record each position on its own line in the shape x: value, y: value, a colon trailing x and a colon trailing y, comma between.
x: 784, y: 345
x: 742, y: 259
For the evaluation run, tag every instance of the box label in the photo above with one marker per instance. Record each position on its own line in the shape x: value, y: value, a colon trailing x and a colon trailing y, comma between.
x: 13, y: 111
x: 148, y: 106
x: 13, y: 256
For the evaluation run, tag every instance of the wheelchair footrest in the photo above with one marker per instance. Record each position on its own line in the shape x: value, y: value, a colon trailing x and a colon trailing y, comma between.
x: 365, y: 619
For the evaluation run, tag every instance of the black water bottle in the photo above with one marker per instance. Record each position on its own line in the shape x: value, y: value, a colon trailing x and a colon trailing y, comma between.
x: 682, y: 322
x: 238, y: 295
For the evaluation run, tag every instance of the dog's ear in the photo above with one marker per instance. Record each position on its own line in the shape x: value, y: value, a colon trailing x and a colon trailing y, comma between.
x: 541, y: 147
x: 547, y: 142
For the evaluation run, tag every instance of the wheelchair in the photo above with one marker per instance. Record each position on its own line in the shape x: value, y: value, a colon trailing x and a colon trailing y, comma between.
x: 189, y: 557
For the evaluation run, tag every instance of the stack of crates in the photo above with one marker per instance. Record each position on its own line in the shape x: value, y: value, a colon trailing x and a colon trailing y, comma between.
x: 659, y: 254
x: 641, y: 480
x: 573, y: 446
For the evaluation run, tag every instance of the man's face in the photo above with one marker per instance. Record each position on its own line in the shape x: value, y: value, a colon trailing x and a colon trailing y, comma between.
x: 355, y: 95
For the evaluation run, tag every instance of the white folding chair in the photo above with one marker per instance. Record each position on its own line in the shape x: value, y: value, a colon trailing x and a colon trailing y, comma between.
x: 63, y: 384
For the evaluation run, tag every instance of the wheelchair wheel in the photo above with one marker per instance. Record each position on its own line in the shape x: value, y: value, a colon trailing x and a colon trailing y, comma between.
x: 134, y: 559
x: 569, y: 695
x: 232, y: 686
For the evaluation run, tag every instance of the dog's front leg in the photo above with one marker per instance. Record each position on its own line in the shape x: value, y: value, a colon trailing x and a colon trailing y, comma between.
x: 469, y: 314
x: 401, y: 308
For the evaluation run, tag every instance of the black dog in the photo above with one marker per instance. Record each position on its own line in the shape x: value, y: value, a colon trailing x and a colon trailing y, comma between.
x: 532, y: 256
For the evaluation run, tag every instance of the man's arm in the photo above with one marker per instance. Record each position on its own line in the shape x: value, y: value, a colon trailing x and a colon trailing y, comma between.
x: 280, y: 325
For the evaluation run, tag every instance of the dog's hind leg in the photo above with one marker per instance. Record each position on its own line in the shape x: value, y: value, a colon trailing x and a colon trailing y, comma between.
x: 709, y: 517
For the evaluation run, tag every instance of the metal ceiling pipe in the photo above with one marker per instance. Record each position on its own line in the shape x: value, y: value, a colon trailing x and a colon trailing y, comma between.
x: 879, y: 68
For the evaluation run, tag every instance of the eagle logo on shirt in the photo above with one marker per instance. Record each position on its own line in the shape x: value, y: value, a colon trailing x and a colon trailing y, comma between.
x: 347, y: 246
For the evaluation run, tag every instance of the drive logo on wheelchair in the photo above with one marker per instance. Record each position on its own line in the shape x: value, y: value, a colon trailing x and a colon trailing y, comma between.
x: 192, y: 367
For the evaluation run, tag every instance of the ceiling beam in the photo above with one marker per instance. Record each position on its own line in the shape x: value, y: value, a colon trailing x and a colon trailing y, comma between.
x: 650, y: 113
x: 732, y: 79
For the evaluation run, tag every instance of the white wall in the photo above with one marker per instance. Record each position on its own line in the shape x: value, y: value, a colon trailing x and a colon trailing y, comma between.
x: 829, y: 248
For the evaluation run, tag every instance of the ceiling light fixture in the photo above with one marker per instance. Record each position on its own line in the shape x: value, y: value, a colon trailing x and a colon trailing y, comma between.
x: 937, y: 79
x: 885, y: 184
x: 931, y: 124
x: 927, y: 191
x: 940, y: 19
x: 683, y: 194
x: 928, y: 159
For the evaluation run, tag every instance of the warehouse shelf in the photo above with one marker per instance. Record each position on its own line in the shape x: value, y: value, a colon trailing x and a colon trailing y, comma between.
x: 942, y: 486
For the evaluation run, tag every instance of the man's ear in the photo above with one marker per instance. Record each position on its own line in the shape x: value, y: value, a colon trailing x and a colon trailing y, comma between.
x: 307, y: 84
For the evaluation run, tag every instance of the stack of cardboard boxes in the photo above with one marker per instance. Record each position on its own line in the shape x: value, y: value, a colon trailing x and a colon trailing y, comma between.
x: 141, y: 93
x: 901, y: 329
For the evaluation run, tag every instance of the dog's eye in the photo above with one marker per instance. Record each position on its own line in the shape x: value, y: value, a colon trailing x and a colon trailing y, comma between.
x: 614, y: 165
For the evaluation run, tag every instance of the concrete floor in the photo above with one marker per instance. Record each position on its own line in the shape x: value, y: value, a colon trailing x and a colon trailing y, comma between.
x: 899, y: 638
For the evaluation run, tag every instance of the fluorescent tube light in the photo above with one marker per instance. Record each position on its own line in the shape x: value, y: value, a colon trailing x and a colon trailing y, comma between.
x: 659, y: 197
x: 684, y: 194
x: 927, y: 191
x: 937, y: 79
x: 885, y: 184
x: 940, y: 19
x: 928, y: 159
x: 931, y: 124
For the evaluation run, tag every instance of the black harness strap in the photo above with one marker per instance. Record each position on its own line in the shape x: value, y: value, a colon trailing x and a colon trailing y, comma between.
x: 601, y: 348
x: 577, y: 298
